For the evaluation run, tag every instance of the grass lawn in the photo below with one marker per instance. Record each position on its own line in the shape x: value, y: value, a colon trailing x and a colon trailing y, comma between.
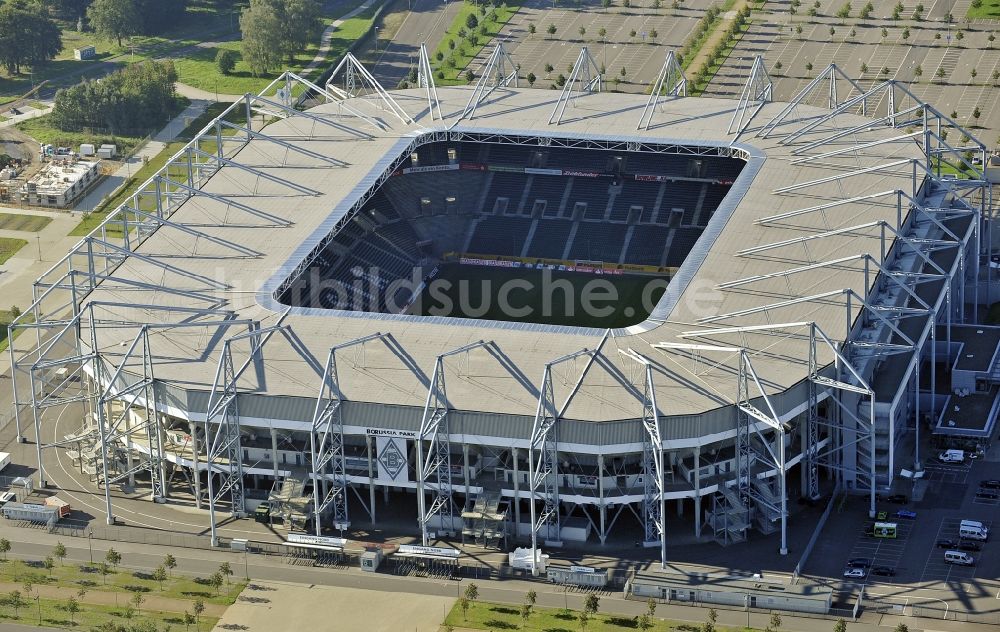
x: 491, y: 616
x: 204, y: 20
x: 464, y: 51
x: 9, y: 247
x: 54, y: 613
x: 78, y: 576
x: 988, y: 10
x: 197, y: 68
x: 27, y: 223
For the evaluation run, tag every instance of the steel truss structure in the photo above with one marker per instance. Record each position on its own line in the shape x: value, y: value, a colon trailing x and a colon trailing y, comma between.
x: 757, y: 92
x: 670, y: 82
x: 425, y: 79
x: 434, y: 471
x: 500, y: 71
x: 586, y: 71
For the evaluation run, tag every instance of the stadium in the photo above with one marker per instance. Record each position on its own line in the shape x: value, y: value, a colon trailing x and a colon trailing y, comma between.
x: 520, y: 315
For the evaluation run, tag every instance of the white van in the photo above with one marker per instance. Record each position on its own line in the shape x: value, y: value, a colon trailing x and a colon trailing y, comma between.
x: 973, y: 533
x: 952, y: 456
x: 974, y: 525
x: 959, y: 557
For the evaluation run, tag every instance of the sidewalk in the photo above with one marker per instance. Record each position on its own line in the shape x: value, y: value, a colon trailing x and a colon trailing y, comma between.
x: 27, y: 112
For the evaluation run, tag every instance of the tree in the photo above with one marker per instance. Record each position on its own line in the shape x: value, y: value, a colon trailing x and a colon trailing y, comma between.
x: 713, y: 616
x: 548, y: 68
x: 198, y: 608
x: 902, y: 627
x: 530, y: 597
x: 188, y: 619
x: 463, y: 603
x: 840, y: 626
x: 651, y: 607
x: 885, y: 32
x: 137, y: 601
x: 940, y: 73
x: 606, y: 4
x: 644, y: 622
x: 906, y: 33
x: 471, y: 21
x: 225, y: 60
x: 959, y: 35
x: 115, y: 19
x: 59, y: 552
x: 584, y: 620
x: 470, y: 76
x: 105, y: 570
x: 28, y: 36
x: 551, y: 30
x: 918, y: 71
x: 531, y: 79
x: 653, y: 34
x: 15, y: 601
x: 866, y: 11
x: 113, y: 557
x: 49, y: 564
x: 845, y: 11
x: 72, y: 607
x: 4, y: 547
x: 531, y: 28
x: 775, y: 622
x: 833, y: 31
x: 160, y: 575
x: 472, y: 592
x: 809, y: 66
x: 996, y: 77
x: 260, y: 25
x: 525, y: 613
x: 592, y: 604
x: 583, y: 31
x: 973, y: 73
x: 226, y: 570
x: 215, y: 581
x: 864, y: 67
x: 602, y: 32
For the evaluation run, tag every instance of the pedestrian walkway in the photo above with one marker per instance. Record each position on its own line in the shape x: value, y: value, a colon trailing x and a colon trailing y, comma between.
x: 327, y: 37
x: 27, y: 112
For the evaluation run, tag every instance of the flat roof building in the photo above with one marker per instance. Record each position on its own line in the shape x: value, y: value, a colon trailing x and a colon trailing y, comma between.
x: 61, y: 182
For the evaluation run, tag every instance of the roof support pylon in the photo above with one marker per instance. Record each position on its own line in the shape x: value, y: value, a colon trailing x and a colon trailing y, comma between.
x: 758, y: 90
x: 425, y: 79
x: 671, y: 82
x: 586, y: 71
x: 499, y: 71
x: 829, y: 78
x: 359, y: 82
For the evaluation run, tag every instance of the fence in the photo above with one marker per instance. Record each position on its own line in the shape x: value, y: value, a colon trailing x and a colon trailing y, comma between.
x: 138, y: 536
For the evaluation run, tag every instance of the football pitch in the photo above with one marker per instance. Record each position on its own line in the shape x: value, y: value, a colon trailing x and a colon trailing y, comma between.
x: 551, y: 297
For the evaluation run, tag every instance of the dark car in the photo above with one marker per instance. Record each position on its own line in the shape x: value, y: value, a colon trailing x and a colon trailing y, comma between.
x: 990, y: 484
x: 969, y: 545
x: 883, y: 571
x: 859, y: 562
x: 988, y: 493
x: 897, y: 499
x: 946, y: 544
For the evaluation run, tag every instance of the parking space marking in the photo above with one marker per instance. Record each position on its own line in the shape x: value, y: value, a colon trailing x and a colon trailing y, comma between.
x: 936, y: 569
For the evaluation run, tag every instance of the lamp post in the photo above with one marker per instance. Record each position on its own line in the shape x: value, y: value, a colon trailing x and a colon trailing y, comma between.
x: 90, y: 544
x: 38, y: 241
x: 376, y: 39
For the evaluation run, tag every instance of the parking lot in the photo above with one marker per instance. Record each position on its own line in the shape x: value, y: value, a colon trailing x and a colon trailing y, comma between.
x: 936, y: 569
x: 885, y: 553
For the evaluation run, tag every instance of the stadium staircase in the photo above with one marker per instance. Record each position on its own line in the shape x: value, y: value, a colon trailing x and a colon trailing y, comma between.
x: 729, y: 518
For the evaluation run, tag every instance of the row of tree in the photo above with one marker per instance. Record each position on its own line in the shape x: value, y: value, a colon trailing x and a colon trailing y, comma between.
x: 131, y: 101
x: 274, y: 30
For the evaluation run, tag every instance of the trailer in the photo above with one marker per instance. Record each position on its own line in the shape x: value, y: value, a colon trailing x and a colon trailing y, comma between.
x: 39, y: 514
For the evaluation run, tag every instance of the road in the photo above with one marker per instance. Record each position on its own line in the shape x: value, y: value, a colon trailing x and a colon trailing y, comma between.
x: 36, y: 544
x: 427, y: 21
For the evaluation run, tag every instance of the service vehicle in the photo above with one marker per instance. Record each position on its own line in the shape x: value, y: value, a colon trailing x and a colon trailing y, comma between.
x: 959, y: 557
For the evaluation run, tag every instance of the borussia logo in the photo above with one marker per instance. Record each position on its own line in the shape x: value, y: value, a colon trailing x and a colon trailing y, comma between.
x: 392, y: 459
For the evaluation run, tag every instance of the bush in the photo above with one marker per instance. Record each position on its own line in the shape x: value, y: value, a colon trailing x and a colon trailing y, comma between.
x: 225, y: 61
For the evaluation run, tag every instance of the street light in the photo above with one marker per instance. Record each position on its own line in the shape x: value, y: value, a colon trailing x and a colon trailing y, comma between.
x: 38, y: 239
x: 376, y: 39
x: 90, y: 543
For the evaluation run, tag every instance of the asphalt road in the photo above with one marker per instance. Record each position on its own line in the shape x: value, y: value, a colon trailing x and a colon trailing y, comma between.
x: 427, y: 22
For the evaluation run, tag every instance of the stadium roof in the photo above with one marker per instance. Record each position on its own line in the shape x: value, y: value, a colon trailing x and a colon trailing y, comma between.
x: 248, y: 254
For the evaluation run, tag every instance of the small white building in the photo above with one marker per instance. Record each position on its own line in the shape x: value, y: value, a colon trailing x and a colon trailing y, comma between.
x: 60, y: 182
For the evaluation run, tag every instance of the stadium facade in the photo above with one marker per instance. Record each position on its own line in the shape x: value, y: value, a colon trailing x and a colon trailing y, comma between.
x: 824, y: 257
